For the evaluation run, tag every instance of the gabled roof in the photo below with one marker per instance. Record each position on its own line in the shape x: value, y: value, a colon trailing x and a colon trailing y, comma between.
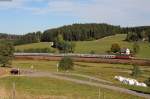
x: 124, y: 49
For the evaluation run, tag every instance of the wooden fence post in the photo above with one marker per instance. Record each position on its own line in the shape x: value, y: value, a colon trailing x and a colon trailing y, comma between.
x: 14, y: 91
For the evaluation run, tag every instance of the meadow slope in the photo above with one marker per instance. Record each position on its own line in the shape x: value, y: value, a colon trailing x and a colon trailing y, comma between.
x: 102, y: 45
x: 98, y: 46
x: 33, y: 45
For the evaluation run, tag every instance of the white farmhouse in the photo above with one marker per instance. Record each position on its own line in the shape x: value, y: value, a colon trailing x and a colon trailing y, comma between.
x: 52, y: 43
x: 125, y: 51
x: 128, y: 51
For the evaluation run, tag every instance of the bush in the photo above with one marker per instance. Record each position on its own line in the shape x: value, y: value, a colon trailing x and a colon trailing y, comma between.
x: 136, y: 48
x: 115, y: 48
x: 66, y: 63
x: 28, y: 38
x: 92, y: 52
x: 148, y: 82
x: 64, y: 46
x: 6, y: 53
x: 136, y: 71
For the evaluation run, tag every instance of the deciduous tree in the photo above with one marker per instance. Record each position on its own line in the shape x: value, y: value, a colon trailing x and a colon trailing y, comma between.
x: 115, y: 48
x: 66, y: 63
x: 136, y: 71
x: 6, y: 53
x: 136, y: 48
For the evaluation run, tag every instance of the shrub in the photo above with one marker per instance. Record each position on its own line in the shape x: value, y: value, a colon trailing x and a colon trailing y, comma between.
x: 115, y: 48
x: 6, y: 53
x: 148, y: 82
x: 64, y: 46
x: 136, y: 71
x: 136, y: 48
x: 66, y: 63
x: 92, y: 52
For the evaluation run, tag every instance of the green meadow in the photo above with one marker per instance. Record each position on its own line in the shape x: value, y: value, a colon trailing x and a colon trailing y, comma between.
x: 59, y: 89
x: 47, y: 88
x: 33, y: 45
x: 99, y: 70
x: 100, y: 46
x: 35, y: 87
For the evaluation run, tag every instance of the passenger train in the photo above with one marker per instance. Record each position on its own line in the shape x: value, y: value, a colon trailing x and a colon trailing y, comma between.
x: 113, y: 56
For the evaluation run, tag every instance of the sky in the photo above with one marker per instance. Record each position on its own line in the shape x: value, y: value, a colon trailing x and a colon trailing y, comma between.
x: 23, y: 16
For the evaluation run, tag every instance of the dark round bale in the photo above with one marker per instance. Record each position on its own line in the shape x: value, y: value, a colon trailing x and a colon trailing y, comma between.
x: 15, y: 71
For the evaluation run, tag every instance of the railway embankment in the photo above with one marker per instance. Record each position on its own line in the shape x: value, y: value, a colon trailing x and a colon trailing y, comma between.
x: 143, y: 62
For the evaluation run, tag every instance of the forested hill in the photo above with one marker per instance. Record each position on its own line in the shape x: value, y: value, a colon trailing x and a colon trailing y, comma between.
x: 141, y: 33
x: 8, y: 36
x: 81, y: 32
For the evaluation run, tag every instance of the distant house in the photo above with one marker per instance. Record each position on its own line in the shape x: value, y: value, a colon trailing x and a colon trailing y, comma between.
x: 145, y: 39
x: 125, y: 51
x: 52, y: 44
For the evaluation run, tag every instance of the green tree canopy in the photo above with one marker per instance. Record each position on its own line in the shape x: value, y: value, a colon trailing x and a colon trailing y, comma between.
x: 148, y: 82
x: 115, y: 48
x: 66, y: 63
x: 64, y: 46
x: 81, y: 32
x: 28, y: 38
x: 148, y: 33
x: 136, y: 48
x: 136, y: 71
x: 6, y: 53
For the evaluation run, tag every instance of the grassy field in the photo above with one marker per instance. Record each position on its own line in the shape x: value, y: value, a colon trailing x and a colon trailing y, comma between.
x: 103, y: 71
x: 27, y: 87
x: 98, y: 46
x: 31, y: 87
x: 100, y: 70
x: 34, y: 45
x: 102, y: 45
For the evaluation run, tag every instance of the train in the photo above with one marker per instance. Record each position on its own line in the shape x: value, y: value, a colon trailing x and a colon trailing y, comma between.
x: 108, y: 56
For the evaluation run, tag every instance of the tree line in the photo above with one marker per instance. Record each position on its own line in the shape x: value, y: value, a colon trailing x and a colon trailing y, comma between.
x: 9, y: 36
x: 74, y: 32
x: 81, y: 32
x: 137, y: 33
x: 63, y: 46
x: 6, y: 53
x: 34, y: 37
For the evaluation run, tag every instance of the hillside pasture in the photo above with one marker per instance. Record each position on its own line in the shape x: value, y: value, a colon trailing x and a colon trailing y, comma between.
x: 100, y: 46
x: 98, y: 70
x: 34, y: 46
x: 48, y: 88
x: 103, y: 45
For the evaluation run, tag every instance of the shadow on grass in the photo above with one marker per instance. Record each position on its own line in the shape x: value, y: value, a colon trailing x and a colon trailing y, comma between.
x: 117, y: 68
x: 140, y: 91
x: 80, y: 65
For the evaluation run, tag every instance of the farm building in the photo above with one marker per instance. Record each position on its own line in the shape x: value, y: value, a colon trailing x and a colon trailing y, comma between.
x: 125, y: 51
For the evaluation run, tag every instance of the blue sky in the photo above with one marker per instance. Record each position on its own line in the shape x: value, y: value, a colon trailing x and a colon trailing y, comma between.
x: 23, y: 16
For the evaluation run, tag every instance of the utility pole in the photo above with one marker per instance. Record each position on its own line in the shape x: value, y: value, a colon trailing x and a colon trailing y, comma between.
x: 14, y: 91
x: 103, y: 94
x: 99, y: 93
x: 57, y: 67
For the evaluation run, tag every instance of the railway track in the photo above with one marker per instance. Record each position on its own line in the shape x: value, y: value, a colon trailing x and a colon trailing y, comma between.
x: 81, y: 58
